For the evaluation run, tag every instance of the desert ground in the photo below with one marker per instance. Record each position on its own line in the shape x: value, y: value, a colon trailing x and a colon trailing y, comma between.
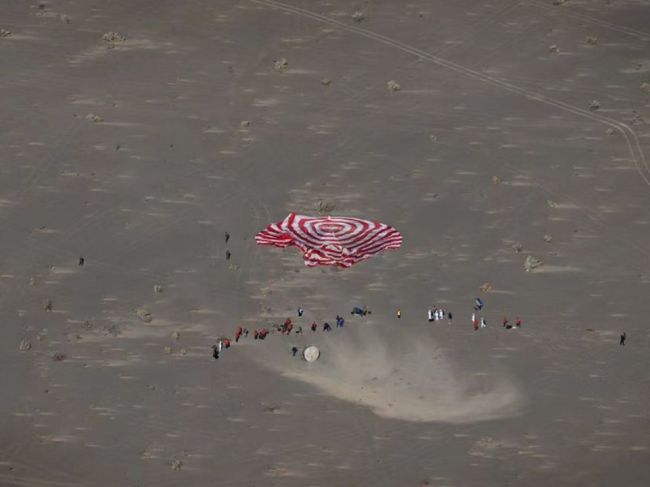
x: 135, y: 134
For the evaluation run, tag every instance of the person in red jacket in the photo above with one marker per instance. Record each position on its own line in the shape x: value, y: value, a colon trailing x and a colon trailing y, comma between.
x: 238, y: 333
x: 226, y: 342
x: 314, y: 326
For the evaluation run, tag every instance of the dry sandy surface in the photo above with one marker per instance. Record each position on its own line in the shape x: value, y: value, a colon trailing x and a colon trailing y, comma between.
x: 136, y: 133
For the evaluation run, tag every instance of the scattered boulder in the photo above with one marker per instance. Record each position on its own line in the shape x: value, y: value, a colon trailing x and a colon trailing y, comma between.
x: 59, y: 357
x: 548, y: 238
x: 168, y: 350
x: 594, y: 105
x: 532, y: 263
x: 553, y: 49
x: 517, y: 247
x: 496, y: 180
x: 280, y: 64
x: 4, y: 33
x: 358, y: 16
x: 65, y: 18
x: 144, y: 315
x: 157, y: 288
x: 176, y: 465
x: 91, y: 117
x: 559, y: 2
x: 244, y: 124
x: 552, y: 204
x: 326, y: 82
x: 324, y: 206
x: 393, y: 85
x: 486, y: 288
x: 176, y: 335
x: 645, y: 87
x: 47, y: 305
x: 591, y: 40
x: 113, y: 37
x: 610, y: 131
x: 25, y: 346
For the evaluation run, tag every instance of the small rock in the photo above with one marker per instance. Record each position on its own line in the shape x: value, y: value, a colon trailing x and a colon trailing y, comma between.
x: 326, y: 82
x: 610, y: 131
x: 358, y: 16
x: 433, y: 138
x: 4, y: 33
x: 393, y: 85
x: 47, y: 305
x: 645, y: 87
x: 65, y: 18
x: 176, y: 465
x: 244, y: 124
x: 144, y: 315
x: 157, y: 289
x: 87, y: 325
x: 280, y: 64
x: 59, y: 357
x: 532, y: 263
x: 496, y: 180
x: 553, y: 49
x: 91, y: 117
x: 517, y: 247
x: 176, y: 335
x: 548, y: 238
x: 324, y: 206
x: 113, y: 37
x: 486, y: 288
x: 168, y: 350
x: 182, y: 351
x: 552, y: 203
x: 24, y: 346
x: 591, y: 40
x: 594, y: 105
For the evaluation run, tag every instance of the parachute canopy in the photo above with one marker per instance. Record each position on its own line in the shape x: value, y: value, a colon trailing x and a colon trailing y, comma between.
x: 339, y: 241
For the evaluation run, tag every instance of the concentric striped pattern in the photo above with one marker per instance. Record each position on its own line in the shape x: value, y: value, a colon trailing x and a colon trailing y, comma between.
x: 338, y: 241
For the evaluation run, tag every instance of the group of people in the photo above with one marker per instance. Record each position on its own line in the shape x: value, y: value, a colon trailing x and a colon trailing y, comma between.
x: 433, y: 314
x: 285, y: 328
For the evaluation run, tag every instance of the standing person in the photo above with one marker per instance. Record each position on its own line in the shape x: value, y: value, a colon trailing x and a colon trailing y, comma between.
x: 226, y: 342
x: 300, y: 311
x: 474, y: 321
x: 246, y: 332
x: 326, y: 326
x: 289, y: 328
x: 430, y: 315
x: 450, y: 316
x: 518, y: 322
x: 623, y: 338
x: 314, y: 326
x: 215, y: 352
x: 506, y: 325
x: 478, y: 304
x: 256, y: 334
x: 227, y: 235
x: 399, y: 314
x: 299, y: 330
x: 483, y: 323
x: 294, y: 351
x: 238, y: 333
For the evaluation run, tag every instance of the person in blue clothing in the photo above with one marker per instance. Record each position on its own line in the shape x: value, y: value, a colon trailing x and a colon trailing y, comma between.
x: 478, y: 304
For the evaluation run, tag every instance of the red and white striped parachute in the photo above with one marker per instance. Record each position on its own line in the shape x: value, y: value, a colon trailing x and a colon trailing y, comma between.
x: 329, y: 240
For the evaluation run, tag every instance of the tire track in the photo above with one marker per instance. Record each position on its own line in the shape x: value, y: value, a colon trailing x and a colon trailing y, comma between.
x: 630, y: 136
